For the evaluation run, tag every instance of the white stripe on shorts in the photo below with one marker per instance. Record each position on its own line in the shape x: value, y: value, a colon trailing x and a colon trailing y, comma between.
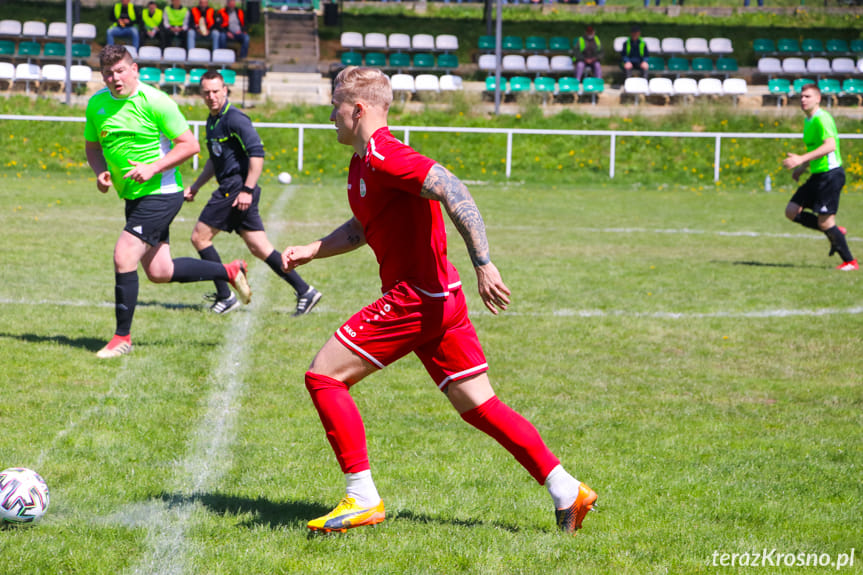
x: 459, y: 375
x: 344, y: 339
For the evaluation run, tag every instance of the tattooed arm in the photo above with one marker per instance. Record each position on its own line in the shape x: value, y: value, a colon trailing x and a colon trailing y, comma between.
x: 443, y: 186
x: 349, y: 236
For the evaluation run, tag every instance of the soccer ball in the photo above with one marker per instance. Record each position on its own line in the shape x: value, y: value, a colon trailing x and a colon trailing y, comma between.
x: 285, y: 178
x: 23, y: 496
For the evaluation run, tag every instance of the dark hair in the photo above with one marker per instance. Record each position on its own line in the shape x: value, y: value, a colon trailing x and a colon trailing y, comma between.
x: 814, y: 87
x: 213, y: 75
x: 112, y: 54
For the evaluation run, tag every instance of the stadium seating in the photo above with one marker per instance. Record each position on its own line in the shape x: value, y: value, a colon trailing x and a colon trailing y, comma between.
x: 535, y: 44
x: 199, y: 56
x: 7, y: 48
x: 726, y: 66
x: 685, y: 88
x: 351, y: 40
x: 653, y: 44
x: 10, y: 28
x: 780, y: 88
x: 450, y: 83
x: 81, y: 52
x: 678, y: 66
x: 83, y: 32
x: 427, y: 83
x: 797, y: 85
x: 195, y: 75
x: 29, y: 51
x: 403, y: 85
x: 734, y: 87
x: 150, y: 75
x: 400, y: 61
x: 567, y: 87
x: 512, y: 44
x: 794, y: 65
x: 513, y: 64
x: 34, y: 30
x: 423, y: 60
x: 702, y: 65
x: 446, y: 43
x: 853, y: 88
x: 519, y: 84
x: 54, y: 50
x: 559, y: 44
x: 763, y: 46
x: 447, y: 61
x: 830, y: 90
x: 174, y: 55
x: 818, y: 67
x: 662, y: 87
x: 7, y: 72
x: 486, y: 43
x: 561, y: 64
x: 149, y: 54
x: 52, y: 74
x: 843, y: 66
x: 672, y: 45
x: 635, y: 87
x: 770, y: 66
x: 618, y: 43
x: 490, y: 84
x: 375, y: 41
x: 720, y: 46
x: 812, y: 46
x: 56, y: 31
x: 836, y: 46
x: 592, y: 87
x: 27, y: 73
x: 697, y: 46
x: 424, y: 42
x: 710, y: 87
x: 375, y: 59
x: 856, y: 46
x: 787, y: 46
x: 537, y: 64
x: 351, y: 59
x: 224, y: 57
x: 399, y: 42
x: 229, y: 75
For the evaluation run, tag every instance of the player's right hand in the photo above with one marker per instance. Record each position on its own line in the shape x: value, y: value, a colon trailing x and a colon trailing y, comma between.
x: 103, y: 181
x: 189, y: 194
x: 294, y: 256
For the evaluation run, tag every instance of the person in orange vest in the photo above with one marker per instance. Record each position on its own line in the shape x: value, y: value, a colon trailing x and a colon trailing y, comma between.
x: 203, y: 22
x: 125, y: 23
x: 233, y: 26
x: 588, y: 56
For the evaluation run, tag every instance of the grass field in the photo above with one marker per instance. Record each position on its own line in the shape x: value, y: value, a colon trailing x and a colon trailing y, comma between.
x: 691, y: 355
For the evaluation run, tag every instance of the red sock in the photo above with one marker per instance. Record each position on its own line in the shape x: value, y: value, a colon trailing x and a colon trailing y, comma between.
x: 516, y: 434
x: 341, y: 419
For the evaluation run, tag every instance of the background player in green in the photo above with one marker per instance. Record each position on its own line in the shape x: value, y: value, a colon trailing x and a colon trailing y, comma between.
x: 237, y: 160
x: 820, y: 193
x: 135, y: 138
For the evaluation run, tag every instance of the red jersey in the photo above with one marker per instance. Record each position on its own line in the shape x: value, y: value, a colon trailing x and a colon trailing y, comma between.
x: 406, y: 232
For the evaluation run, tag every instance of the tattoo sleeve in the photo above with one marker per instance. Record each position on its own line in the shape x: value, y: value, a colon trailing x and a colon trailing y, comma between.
x: 443, y: 186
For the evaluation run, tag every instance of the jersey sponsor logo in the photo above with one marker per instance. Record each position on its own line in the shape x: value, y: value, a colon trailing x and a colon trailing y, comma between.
x: 217, y: 148
x: 101, y: 112
x: 362, y: 188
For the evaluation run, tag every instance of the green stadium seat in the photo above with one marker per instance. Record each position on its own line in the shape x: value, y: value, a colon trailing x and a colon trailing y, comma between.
x: 174, y: 77
x: 195, y: 75
x: 799, y: 83
x: 535, y: 44
x: 831, y: 88
x: 486, y: 43
x: 779, y: 88
x: 400, y: 61
x: 559, y: 44
x: 149, y: 75
x: 856, y: 46
x: 54, y: 50
x: 593, y: 86
x: 489, y: 84
x: 7, y: 48
x: 788, y: 46
x: 853, y: 87
x: 423, y: 60
x: 763, y: 46
x: 519, y: 84
x: 702, y: 65
x: 229, y: 75
x: 447, y: 61
x: 678, y: 65
x: 81, y: 51
x: 543, y: 84
x: 812, y: 46
x: 655, y: 64
x: 567, y: 86
x: 376, y: 59
x: 352, y: 59
x: 512, y: 44
x: 29, y: 50
x: 837, y: 46
x: 727, y: 65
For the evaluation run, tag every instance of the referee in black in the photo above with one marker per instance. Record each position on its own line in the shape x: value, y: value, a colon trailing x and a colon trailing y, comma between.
x: 237, y: 160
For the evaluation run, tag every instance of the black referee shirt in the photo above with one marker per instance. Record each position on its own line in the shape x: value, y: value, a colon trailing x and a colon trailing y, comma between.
x: 231, y: 141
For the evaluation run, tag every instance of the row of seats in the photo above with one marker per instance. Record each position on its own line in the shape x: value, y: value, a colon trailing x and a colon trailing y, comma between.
x: 401, y: 61
x: 178, y: 78
x: 809, y: 46
x: 678, y: 66
x: 667, y: 88
x: 398, y: 42
x: 28, y: 73
x: 30, y: 50
x: 818, y: 66
x: 174, y: 55
x: 548, y: 86
x: 783, y: 89
x: 429, y: 83
x: 671, y: 45
x: 560, y: 64
x: 35, y: 30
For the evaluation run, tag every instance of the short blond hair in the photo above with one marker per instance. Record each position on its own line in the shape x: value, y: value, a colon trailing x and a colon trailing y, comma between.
x: 368, y: 84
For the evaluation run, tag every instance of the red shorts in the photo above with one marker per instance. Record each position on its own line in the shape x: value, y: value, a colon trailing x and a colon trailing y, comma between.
x: 437, y: 330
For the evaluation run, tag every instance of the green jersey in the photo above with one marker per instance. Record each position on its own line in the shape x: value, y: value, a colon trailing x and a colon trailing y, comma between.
x: 141, y: 128
x: 817, y: 129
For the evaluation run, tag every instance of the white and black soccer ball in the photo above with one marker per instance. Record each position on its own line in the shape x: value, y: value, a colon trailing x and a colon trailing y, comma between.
x: 285, y: 178
x: 23, y: 496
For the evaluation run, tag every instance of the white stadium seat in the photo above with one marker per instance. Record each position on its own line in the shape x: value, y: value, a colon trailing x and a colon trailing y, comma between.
x: 513, y: 63
x: 818, y: 66
x: 427, y: 83
x: 487, y: 62
x: 735, y: 87
x: 660, y: 87
x: 446, y: 42
x: 375, y: 41
x: 132, y: 52
x: 721, y: 46
x: 34, y: 30
x: 538, y: 64
x: 769, y: 66
x: 56, y: 30
x: 224, y: 56
x: 402, y: 84
x: 80, y: 74
x: 654, y: 46
x: 672, y: 45
x: 53, y: 73
x: 422, y: 42
x: 794, y: 66
x: 843, y: 66
x: 10, y: 28
x: 174, y: 55
x: 710, y: 87
x: 450, y: 83
x: 685, y: 87
x: 636, y: 87
x: 7, y: 71
x: 561, y: 64
x: 84, y: 31
x: 27, y: 73
x: 399, y: 42
x: 619, y: 41
x: 352, y: 40
x: 149, y: 54
x: 199, y: 56
x: 696, y: 46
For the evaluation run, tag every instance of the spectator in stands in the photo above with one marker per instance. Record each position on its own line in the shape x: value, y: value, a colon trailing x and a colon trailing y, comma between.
x: 124, y: 23
x: 634, y: 54
x: 176, y: 23
x: 203, y: 23
x: 589, y: 53
x: 760, y: 2
x: 151, y: 24
x: 233, y: 26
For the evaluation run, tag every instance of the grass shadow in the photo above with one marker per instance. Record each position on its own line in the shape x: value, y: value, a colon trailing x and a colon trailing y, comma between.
x: 88, y: 343
x: 765, y: 264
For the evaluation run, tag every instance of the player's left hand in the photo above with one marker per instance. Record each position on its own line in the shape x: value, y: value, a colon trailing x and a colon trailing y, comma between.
x: 492, y: 290
x: 243, y: 201
x: 140, y: 172
x: 792, y: 161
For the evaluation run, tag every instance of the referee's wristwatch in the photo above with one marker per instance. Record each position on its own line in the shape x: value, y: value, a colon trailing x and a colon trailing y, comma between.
x: 248, y: 189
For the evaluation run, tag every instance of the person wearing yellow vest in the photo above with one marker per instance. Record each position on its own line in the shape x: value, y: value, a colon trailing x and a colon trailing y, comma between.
x: 203, y: 23
x: 233, y: 26
x: 125, y: 23
x: 175, y: 23
x: 151, y: 24
x: 589, y: 54
x: 634, y: 54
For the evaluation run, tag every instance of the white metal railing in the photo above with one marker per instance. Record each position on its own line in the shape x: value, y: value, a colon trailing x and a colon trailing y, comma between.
x: 509, y: 132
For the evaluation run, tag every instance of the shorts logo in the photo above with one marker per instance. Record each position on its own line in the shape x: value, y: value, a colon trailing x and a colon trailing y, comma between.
x: 138, y: 230
x: 362, y: 188
x: 349, y: 331
x: 823, y: 209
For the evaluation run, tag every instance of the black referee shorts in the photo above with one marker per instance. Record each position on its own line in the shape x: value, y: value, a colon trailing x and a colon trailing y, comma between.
x: 820, y: 193
x: 221, y: 215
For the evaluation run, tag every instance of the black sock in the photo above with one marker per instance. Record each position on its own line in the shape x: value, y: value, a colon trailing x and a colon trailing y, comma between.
x: 808, y: 220
x: 211, y: 255
x: 191, y: 270
x: 274, y: 260
x: 125, y: 299
x: 837, y: 238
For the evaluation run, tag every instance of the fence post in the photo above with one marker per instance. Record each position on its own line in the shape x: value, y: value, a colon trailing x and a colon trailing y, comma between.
x: 300, y: 151
x: 197, y: 139
x: 508, y: 153
x: 611, y: 166
x: 716, y: 159
x: 407, y: 137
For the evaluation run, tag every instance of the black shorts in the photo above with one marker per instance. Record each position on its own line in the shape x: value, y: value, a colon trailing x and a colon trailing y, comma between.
x: 149, y: 218
x: 220, y: 214
x: 820, y: 193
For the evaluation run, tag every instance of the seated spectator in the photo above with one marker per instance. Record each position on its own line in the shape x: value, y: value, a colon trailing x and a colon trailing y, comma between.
x: 203, y: 23
x: 124, y: 23
x: 634, y: 54
x: 589, y: 54
x: 151, y: 24
x: 233, y: 26
x: 175, y: 23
